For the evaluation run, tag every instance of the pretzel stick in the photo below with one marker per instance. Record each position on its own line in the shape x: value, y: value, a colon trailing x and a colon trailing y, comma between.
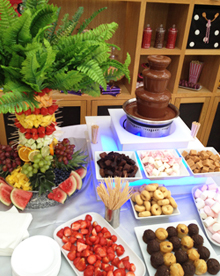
x: 95, y: 130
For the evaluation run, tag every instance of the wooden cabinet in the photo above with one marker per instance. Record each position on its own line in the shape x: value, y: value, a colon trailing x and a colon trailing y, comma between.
x: 132, y: 17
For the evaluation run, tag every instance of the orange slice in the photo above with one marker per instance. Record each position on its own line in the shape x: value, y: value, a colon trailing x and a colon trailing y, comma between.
x: 23, y: 153
x: 51, y: 149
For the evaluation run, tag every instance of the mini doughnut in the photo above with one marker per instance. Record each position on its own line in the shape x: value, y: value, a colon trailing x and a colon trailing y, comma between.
x: 147, y: 205
x: 151, y: 194
x: 144, y: 214
x: 161, y: 234
x: 153, y: 202
x: 163, y: 190
x: 166, y: 247
x: 145, y: 195
x: 156, y: 210
x: 163, y: 202
x: 142, y: 187
x: 155, y: 184
x: 138, y: 199
x: 167, y: 209
x: 158, y: 195
x: 168, y: 194
x: 151, y: 188
x: 133, y: 196
x: 173, y: 202
x: 139, y: 208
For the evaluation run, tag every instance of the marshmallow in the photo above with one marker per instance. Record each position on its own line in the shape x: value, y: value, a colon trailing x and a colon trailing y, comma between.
x: 200, y: 204
x: 158, y: 164
x: 210, y: 229
x: 216, y: 227
x: 209, y: 221
x: 212, y: 186
x: 197, y: 193
x: 204, y: 188
x: 204, y: 195
x: 216, y: 237
x: 155, y: 172
x: 199, y: 199
x: 218, y: 218
x: 209, y: 202
x: 203, y: 214
x: 216, y: 207
x: 209, y: 211
x: 217, y: 197
x: 211, y: 194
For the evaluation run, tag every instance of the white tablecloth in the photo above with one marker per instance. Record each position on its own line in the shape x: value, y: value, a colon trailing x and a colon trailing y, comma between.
x: 45, y: 221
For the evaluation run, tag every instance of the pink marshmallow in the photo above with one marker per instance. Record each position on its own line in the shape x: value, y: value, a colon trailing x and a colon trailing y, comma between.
x: 216, y: 237
x: 212, y: 186
x: 209, y: 211
x: 211, y: 230
x: 204, y: 188
x: 198, y: 193
x: 209, y: 202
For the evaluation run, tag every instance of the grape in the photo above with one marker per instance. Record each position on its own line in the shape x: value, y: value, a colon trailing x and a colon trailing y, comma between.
x: 18, y: 162
x: 60, y: 159
x: 41, y: 164
x: 47, y: 158
x: 42, y: 170
x: 8, y: 165
x: 46, y: 167
x: 30, y: 169
x: 25, y: 172
x: 38, y: 156
x: 7, y: 160
x: 36, y: 165
x: 4, y: 168
x: 7, y: 154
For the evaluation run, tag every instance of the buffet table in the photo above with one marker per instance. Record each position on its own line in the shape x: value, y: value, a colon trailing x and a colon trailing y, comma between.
x: 46, y: 220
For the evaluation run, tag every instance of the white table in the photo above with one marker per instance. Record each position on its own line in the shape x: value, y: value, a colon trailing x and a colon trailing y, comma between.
x: 46, y: 220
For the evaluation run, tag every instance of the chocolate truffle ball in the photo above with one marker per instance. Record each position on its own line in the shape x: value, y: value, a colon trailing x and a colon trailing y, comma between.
x: 176, y: 242
x: 203, y: 252
x: 193, y: 229
x: 148, y: 235
x: 181, y: 256
x: 198, y: 240
x: 189, y: 268
x: 153, y: 246
x: 156, y: 259
x: 162, y: 271
x: 172, y: 232
x: 213, y: 266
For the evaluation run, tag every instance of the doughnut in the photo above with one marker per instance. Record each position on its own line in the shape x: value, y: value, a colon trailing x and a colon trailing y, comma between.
x: 156, y: 210
x: 168, y: 194
x: 145, y: 195
x: 133, y: 196
x: 166, y: 247
x: 167, y: 209
x: 163, y: 202
x: 144, y: 214
x: 151, y: 194
x: 138, y: 199
x: 155, y: 184
x: 139, y: 208
x: 147, y: 205
x: 164, y: 191
x: 153, y: 202
x: 173, y: 202
x: 142, y: 187
x: 161, y: 234
x: 151, y: 188
x: 158, y: 195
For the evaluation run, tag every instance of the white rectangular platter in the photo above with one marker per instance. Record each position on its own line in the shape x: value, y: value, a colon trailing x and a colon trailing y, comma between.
x: 182, y: 169
x: 208, y: 174
x: 130, y: 154
x: 139, y: 233
x: 140, y: 267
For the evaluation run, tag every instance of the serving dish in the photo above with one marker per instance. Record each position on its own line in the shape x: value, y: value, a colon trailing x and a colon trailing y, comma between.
x: 139, y: 233
x: 182, y: 169
x: 205, y: 174
x: 189, y: 88
x: 208, y: 233
x: 130, y: 154
x: 133, y: 257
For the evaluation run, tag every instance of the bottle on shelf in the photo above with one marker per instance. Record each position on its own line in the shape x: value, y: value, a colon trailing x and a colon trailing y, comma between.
x: 159, y: 38
x: 171, y: 38
x: 147, y: 37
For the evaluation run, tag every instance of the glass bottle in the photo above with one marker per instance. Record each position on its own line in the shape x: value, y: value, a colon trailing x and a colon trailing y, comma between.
x: 159, y: 38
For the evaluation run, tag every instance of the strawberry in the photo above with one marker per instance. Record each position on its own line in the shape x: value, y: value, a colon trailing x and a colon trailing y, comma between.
x: 22, y: 129
x: 105, y: 260
x: 34, y: 131
x: 114, y: 238
x: 98, y: 272
x: 132, y: 267
x: 80, y: 246
x: 100, y: 234
x: 27, y: 112
x: 94, y: 233
x: 125, y: 258
x: 120, y: 250
x: 73, y: 247
x: 88, y: 217
x: 114, y: 246
x: 67, y: 246
x: 121, y: 264
x: 36, y: 111
x: 94, y: 223
x: 98, y: 263
x: 104, y: 229
x: 81, y: 240
x: 129, y: 273
x: 71, y: 255
x: 49, y: 132
x: 41, y: 135
x: 111, y: 256
x: 55, y: 107
x: 41, y: 129
x: 81, y: 264
x: 43, y: 111
x: 109, y: 242
x: 98, y: 228
x: 84, y: 231
x: 83, y: 225
x: 115, y: 261
x: 88, y: 222
x: 72, y: 239
x: 103, y: 241
x: 65, y: 239
x: 27, y: 135
x: 85, y: 253
x: 91, y: 259
x: 67, y: 231
x: 28, y: 130
x: 105, y: 266
x: 127, y: 264
x: 119, y: 272
x: 110, y: 273
x: 110, y: 268
x: 50, y: 110
x: 17, y: 124
x: 35, y: 136
x: 107, y: 234
x: 60, y: 233
x: 101, y: 251
x: 76, y: 261
x: 20, y: 113
x: 79, y: 236
x: 88, y: 271
x: 93, y: 239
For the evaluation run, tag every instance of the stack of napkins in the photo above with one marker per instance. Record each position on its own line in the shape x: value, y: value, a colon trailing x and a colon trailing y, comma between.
x: 13, y: 229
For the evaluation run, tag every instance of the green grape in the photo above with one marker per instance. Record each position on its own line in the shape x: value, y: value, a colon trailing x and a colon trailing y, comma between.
x: 30, y: 174
x: 30, y: 169
x: 35, y: 171
x: 41, y: 163
x: 25, y: 172
x: 36, y: 166
x: 25, y: 166
x: 35, y: 157
x: 36, y: 161
x: 38, y: 156
x: 46, y: 167
x: 47, y: 158
x: 42, y: 170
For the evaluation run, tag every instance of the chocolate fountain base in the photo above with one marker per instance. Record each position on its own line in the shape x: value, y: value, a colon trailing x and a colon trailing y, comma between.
x: 137, y: 125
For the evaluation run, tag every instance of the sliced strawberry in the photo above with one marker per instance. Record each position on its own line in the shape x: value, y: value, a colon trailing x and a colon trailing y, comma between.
x: 105, y: 260
x: 75, y: 226
x: 97, y: 240
x: 110, y: 273
x: 100, y: 234
x: 102, y: 241
x: 104, y: 266
x: 85, y: 253
x: 78, y: 254
x: 110, y: 268
x: 28, y: 130
x: 104, y: 229
x: 132, y: 267
x: 67, y: 232
x: 114, y: 238
x: 81, y: 264
x: 114, y: 246
x: 84, y: 231
x: 34, y: 131
x: 71, y: 255
x: 41, y: 129
x: 120, y: 250
x: 88, y: 241
x: 76, y: 261
x: 98, y: 228
x: 101, y: 252
x: 109, y: 242
x: 127, y: 264
x: 67, y: 246
x: 60, y: 233
x: 121, y: 264
x: 22, y: 129
x: 92, y: 259
x: 115, y: 261
x: 65, y: 239
x: 41, y: 135
x: 88, y: 217
x: 80, y: 246
x: 79, y: 236
x: 110, y: 250
x: 93, y: 239
x: 83, y: 225
x: 96, y: 246
x: 111, y: 256
x: 35, y: 136
x: 88, y: 223
x: 72, y: 239
x: 90, y: 229
x: 94, y: 223
x: 125, y: 258
x: 17, y: 124
x: 82, y: 241
x: 129, y: 273
x: 73, y: 247
x: 94, y: 233
x: 119, y: 272
x: 88, y: 271
x: 107, y: 234
x: 98, y: 272
x: 97, y: 263
x: 28, y: 135
x: 36, y: 111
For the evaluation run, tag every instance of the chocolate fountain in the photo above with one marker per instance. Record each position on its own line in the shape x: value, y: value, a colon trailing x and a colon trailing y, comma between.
x: 151, y: 114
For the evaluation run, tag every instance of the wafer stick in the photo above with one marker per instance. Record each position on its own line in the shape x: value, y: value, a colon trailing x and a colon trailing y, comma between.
x: 195, y: 128
x: 95, y: 130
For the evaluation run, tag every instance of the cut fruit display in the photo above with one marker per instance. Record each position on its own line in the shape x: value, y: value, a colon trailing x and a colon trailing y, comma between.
x: 5, y: 191
x: 20, y: 198
x: 68, y: 185
x: 58, y: 195
x: 81, y: 172
x: 78, y: 179
x: 23, y: 153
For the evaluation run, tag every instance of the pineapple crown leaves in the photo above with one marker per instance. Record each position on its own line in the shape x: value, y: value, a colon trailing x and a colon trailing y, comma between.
x: 78, y: 160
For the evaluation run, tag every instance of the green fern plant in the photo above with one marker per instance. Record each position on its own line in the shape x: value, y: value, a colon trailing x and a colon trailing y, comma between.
x: 36, y: 53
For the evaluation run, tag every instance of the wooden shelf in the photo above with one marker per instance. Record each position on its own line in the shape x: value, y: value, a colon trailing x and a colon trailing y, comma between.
x: 203, y: 92
x: 163, y: 51
x: 201, y: 52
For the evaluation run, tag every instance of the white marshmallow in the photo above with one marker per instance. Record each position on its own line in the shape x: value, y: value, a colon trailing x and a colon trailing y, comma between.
x: 158, y: 163
x: 169, y: 171
x: 216, y: 207
x: 217, y: 197
x: 197, y: 193
x: 199, y: 199
x: 155, y: 172
x: 216, y: 227
x: 151, y: 160
x: 211, y: 194
x: 209, y: 221
x: 166, y: 165
x: 209, y: 202
x: 204, y: 195
x: 218, y: 218
x: 200, y: 204
x: 161, y: 168
x: 203, y: 214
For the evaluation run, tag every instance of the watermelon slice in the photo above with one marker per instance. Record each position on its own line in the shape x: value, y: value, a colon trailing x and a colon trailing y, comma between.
x: 58, y: 195
x: 81, y: 172
x: 69, y: 185
x: 5, y: 191
x: 2, y: 180
x: 78, y: 179
x: 20, y: 198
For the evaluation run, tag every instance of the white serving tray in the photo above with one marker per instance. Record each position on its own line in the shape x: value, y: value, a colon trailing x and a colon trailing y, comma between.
x: 183, y: 170
x: 140, y: 267
x: 139, y: 233
x: 208, y: 174
x: 130, y: 154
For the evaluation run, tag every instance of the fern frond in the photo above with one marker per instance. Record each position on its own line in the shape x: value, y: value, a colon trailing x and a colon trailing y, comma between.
x: 87, y: 21
x: 49, y: 34
x: 8, y: 15
x: 33, y: 5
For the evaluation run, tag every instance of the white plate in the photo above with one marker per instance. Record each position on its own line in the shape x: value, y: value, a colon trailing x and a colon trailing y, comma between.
x: 130, y: 154
x: 183, y: 169
x: 140, y: 267
x: 189, y: 88
x: 208, y: 174
x: 176, y: 212
x: 208, y: 233
x: 139, y: 233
